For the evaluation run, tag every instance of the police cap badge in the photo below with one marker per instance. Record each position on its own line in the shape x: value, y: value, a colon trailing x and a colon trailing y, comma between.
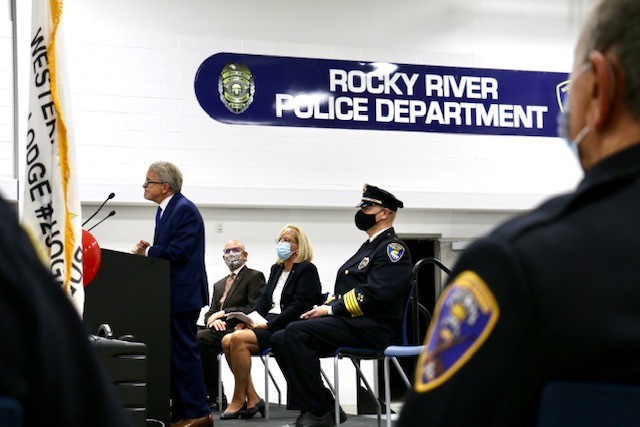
x: 372, y: 195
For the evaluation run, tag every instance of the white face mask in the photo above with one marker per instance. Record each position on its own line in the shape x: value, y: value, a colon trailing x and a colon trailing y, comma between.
x: 563, y: 119
x: 283, y: 249
x: 563, y: 115
x: 563, y: 130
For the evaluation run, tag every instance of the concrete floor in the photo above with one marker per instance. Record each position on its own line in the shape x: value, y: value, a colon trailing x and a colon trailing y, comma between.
x: 279, y: 416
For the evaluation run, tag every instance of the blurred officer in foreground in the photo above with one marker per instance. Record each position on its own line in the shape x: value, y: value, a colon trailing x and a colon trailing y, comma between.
x: 46, y: 363
x: 554, y: 294
x: 365, y: 311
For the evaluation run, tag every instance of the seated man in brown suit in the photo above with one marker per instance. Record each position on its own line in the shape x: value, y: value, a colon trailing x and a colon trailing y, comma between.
x: 239, y: 291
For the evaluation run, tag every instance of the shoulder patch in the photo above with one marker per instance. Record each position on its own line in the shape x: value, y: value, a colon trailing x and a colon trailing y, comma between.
x: 395, y: 251
x: 464, y: 317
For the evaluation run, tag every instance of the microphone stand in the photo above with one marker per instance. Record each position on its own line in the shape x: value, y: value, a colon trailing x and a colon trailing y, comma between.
x: 111, y: 196
x: 112, y: 213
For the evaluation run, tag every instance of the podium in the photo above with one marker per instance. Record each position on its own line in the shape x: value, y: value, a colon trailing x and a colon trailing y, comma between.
x: 132, y: 294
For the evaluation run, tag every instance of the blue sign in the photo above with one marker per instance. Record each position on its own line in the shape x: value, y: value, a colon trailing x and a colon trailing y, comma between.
x: 283, y: 91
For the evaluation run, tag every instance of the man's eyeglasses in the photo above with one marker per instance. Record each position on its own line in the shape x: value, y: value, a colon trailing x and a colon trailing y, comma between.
x: 148, y: 181
x: 232, y: 251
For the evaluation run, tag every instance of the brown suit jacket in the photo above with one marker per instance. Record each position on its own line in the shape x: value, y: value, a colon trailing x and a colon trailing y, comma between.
x: 243, y: 294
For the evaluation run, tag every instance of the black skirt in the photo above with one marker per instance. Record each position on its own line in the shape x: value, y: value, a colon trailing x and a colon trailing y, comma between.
x: 264, y: 335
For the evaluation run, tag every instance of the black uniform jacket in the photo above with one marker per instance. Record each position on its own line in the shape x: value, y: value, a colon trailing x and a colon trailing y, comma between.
x: 374, y: 281
x: 552, y: 295
x: 301, y: 291
x: 46, y: 361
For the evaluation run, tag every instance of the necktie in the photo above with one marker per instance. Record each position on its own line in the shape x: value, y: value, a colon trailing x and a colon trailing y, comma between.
x: 158, y: 215
x: 155, y: 231
x: 226, y: 288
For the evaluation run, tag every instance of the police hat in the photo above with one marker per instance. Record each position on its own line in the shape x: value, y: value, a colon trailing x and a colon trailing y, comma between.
x: 372, y: 195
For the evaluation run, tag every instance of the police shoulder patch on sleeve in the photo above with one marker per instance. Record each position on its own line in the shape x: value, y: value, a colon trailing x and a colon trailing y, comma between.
x: 464, y: 317
x: 395, y: 251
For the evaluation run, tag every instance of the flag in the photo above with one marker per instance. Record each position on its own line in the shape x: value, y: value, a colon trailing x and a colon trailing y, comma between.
x: 51, y: 204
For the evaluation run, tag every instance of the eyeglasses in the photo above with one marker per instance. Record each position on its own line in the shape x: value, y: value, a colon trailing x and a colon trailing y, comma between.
x: 287, y: 240
x: 148, y: 181
x: 232, y: 251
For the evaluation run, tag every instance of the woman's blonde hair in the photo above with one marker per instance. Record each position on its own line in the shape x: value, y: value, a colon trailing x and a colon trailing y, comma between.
x: 305, y: 252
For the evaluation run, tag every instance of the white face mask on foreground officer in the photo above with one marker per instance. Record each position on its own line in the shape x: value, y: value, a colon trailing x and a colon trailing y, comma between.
x: 551, y: 295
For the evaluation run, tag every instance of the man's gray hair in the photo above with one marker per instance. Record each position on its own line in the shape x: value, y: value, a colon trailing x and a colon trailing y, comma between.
x: 169, y: 173
x: 615, y: 24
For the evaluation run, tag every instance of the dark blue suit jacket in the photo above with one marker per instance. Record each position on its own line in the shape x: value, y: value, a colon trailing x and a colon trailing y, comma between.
x: 179, y: 237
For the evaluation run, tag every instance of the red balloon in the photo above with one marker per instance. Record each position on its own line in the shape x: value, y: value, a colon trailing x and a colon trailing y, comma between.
x: 91, y: 257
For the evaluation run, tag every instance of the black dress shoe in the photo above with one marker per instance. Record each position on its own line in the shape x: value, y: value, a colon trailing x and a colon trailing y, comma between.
x: 213, y: 404
x: 329, y: 397
x: 343, y: 416
x: 232, y: 415
x: 307, y: 419
x: 251, y: 412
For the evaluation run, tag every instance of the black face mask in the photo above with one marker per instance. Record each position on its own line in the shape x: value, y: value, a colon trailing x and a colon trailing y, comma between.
x: 365, y: 221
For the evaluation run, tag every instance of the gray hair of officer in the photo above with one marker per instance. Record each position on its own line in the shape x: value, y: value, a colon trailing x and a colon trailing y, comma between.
x: 614, y: 25
x: 169, y: 173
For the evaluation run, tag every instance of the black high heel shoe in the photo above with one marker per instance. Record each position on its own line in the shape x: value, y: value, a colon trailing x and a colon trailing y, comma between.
x: 251, y: 412
x: 233, y: 415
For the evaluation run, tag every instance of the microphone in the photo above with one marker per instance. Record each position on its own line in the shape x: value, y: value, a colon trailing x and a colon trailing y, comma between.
x: 111, y: 196
x: 112, y: 213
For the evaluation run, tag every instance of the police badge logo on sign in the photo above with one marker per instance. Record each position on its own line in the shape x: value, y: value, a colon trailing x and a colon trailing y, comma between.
x: 236, y: 87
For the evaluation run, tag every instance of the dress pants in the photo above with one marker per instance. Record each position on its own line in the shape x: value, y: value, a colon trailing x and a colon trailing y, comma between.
x: 299, y: 347
x: 188, y: 393
x: 209, y: 346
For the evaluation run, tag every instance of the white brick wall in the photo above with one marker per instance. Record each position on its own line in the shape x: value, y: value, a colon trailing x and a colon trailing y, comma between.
x: 132, y: 66
x: 7, y: 171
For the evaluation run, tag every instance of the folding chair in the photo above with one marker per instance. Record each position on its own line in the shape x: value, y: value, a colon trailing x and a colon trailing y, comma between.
x: 391, y: 353
x: 358, y: 354
x: 264, y: 357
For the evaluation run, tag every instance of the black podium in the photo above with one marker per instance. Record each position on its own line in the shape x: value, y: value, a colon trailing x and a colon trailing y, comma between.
x: 131, y: 294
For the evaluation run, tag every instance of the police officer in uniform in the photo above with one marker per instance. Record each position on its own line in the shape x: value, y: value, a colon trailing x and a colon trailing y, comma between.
x: 552, y: 295
x: 47, y: 364
x: 365, y: 310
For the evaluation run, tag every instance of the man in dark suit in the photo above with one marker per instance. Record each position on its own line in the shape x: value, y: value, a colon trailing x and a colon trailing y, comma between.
x: 365, y: 311
x: 179, y: 237
x: 238, y: 291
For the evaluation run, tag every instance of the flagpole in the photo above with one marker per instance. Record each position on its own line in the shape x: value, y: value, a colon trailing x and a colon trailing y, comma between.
x: 51, y: 203
x: 21, y: 21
